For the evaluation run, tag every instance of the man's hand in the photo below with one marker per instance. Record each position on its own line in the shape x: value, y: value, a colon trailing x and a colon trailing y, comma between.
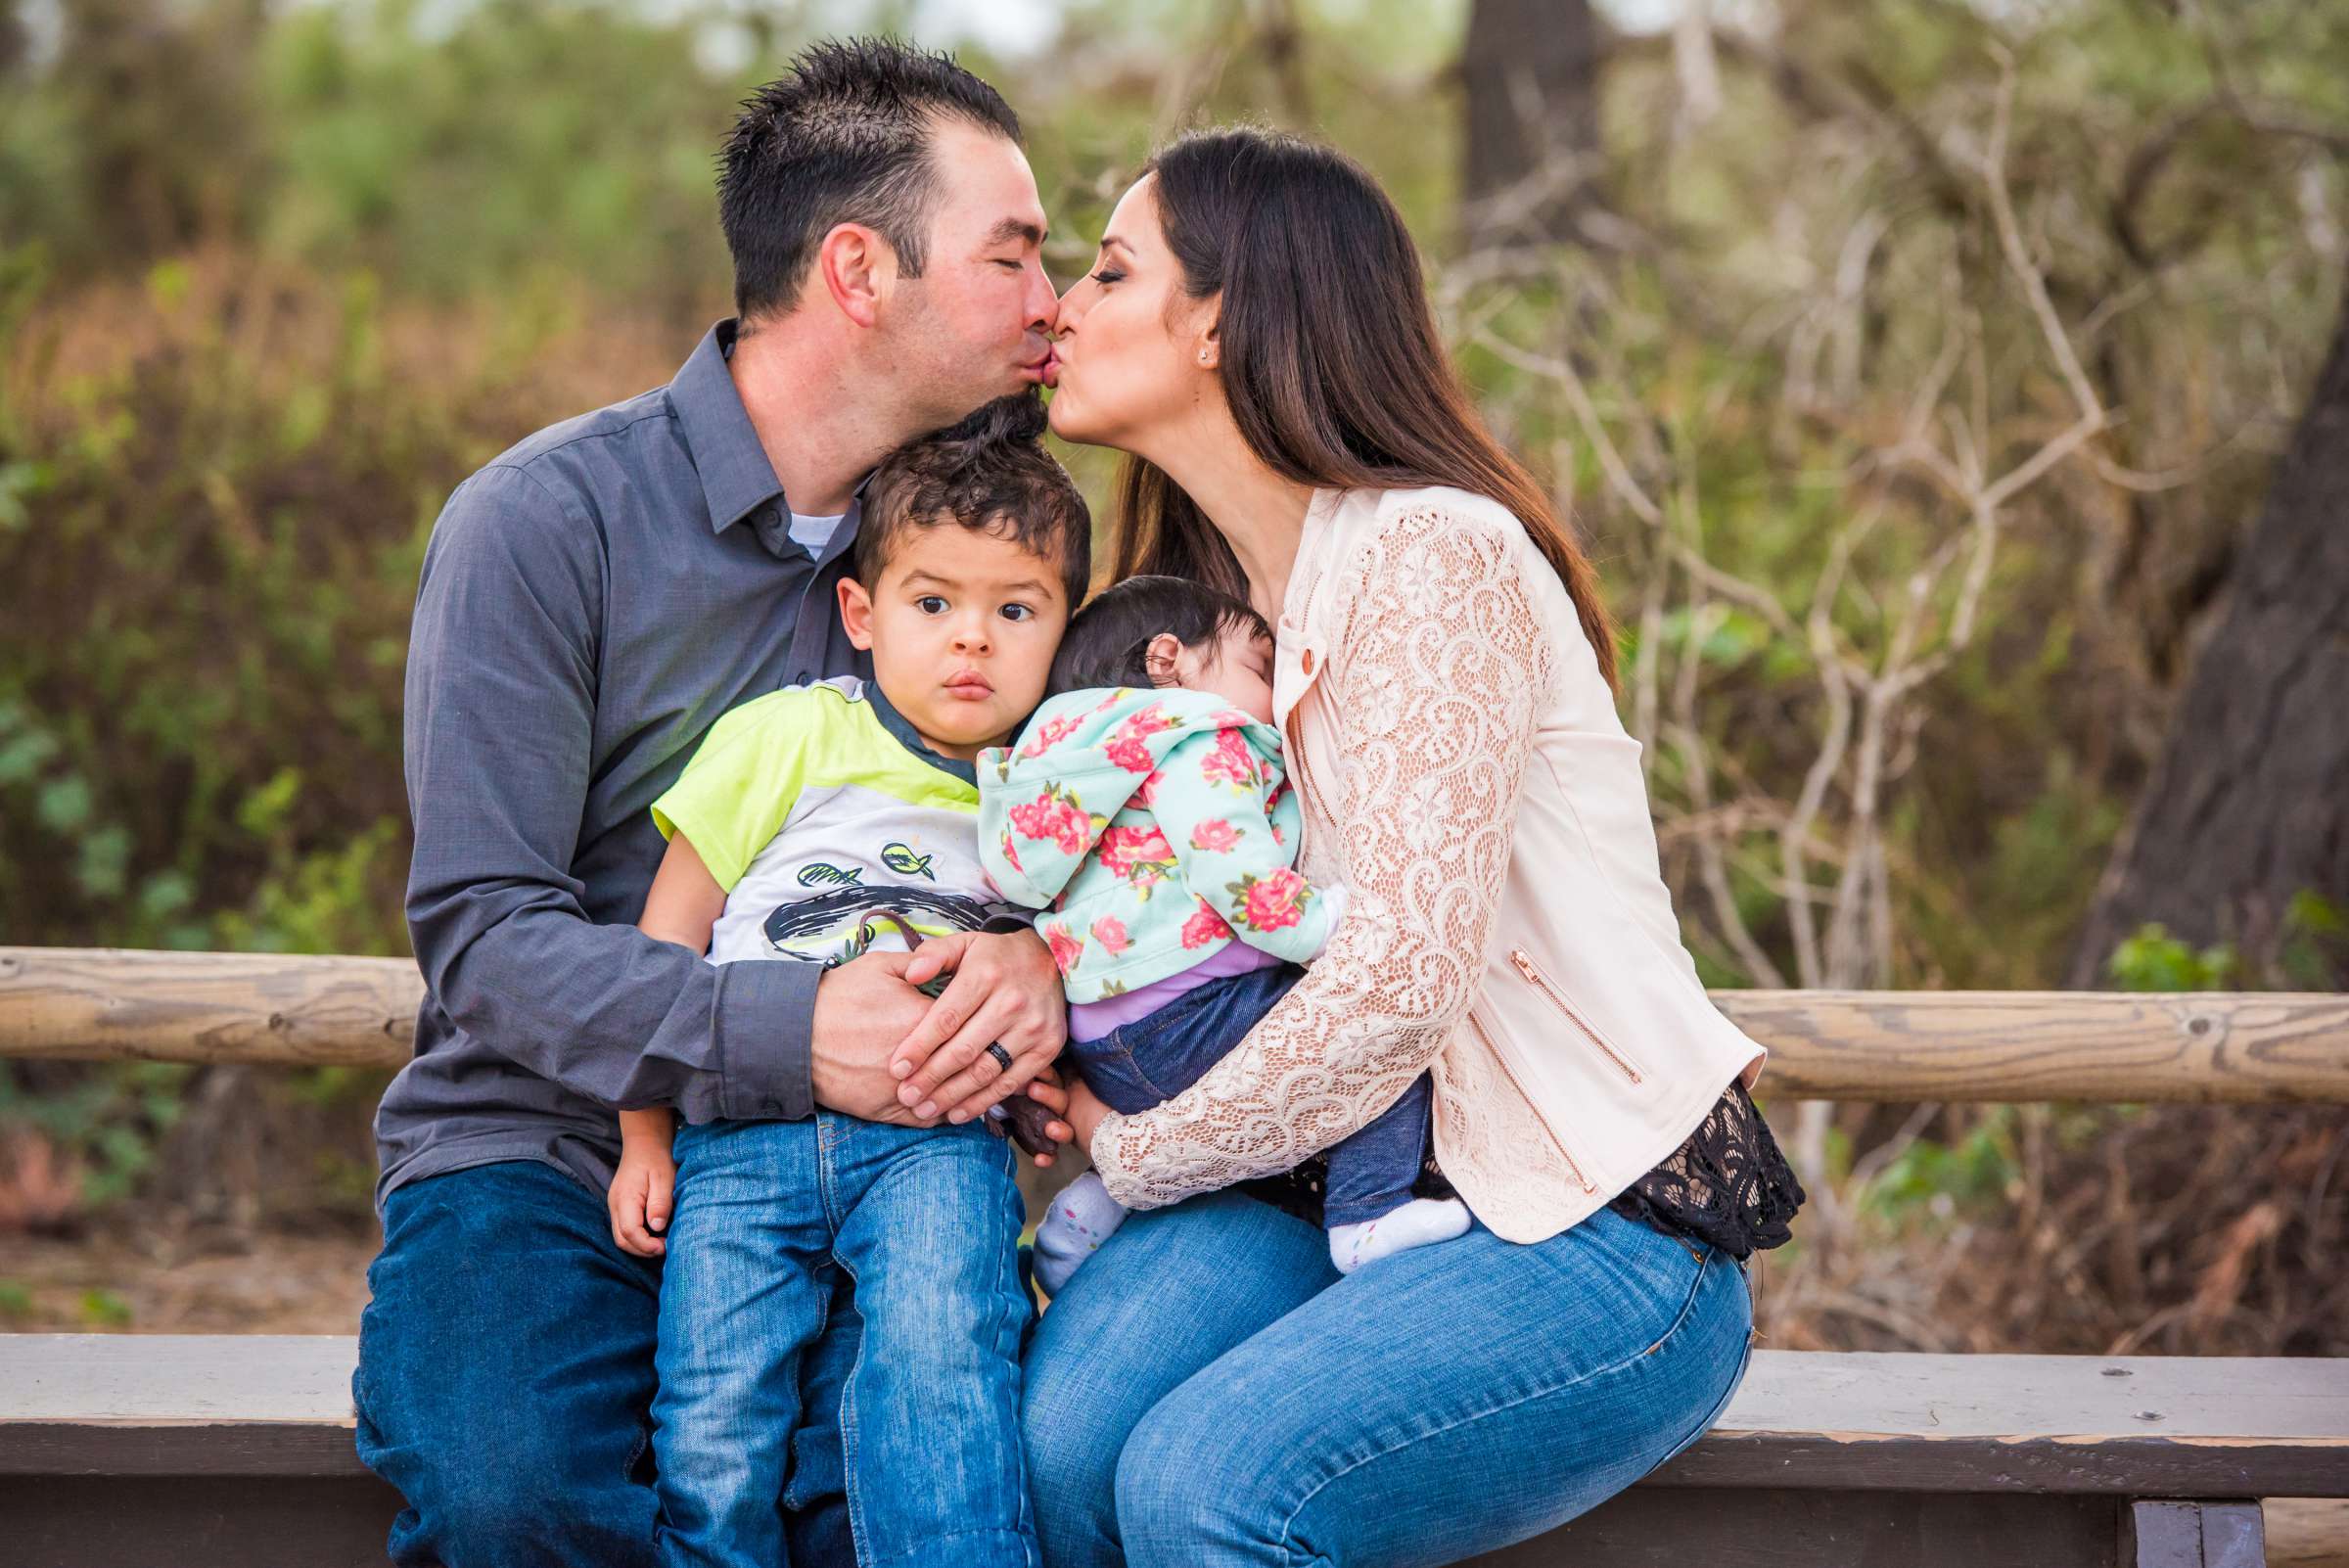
x: 1004, y: 992
x: 862, y: 1010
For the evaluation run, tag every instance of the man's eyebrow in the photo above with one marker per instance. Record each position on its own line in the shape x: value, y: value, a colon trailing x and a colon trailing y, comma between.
x: 1012, y: 228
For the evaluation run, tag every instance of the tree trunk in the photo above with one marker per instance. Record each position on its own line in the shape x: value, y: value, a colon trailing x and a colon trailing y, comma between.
x: 1530, y: 70
x: 2248, y: 806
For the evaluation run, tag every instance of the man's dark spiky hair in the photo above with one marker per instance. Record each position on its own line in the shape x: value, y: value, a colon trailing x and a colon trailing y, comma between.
x: 989, y: 472
x: 843, y: 136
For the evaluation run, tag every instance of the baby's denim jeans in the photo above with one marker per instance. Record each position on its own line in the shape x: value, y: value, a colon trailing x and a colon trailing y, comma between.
x: 1153, y: 1059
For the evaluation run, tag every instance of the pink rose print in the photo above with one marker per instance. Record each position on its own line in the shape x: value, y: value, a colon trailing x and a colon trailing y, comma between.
x: 1066, y: 947
x: 1215, y: 834
x: 1050, y: 733
x: 1146, y: 796
x: 1204, y: 928
x: 1230, y: 759
x: 1126, y: 743
x: 1110, y: 932
x: 1011, y: 857
x: 1053, y: 815
x: 1138, y: 855
x: 1271, y: 901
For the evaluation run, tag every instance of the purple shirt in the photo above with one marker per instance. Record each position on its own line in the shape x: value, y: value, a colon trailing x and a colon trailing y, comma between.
x: 1089, y: 1020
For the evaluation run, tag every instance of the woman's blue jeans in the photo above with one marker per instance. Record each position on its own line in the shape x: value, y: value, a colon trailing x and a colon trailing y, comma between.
x: 1208, y: 1391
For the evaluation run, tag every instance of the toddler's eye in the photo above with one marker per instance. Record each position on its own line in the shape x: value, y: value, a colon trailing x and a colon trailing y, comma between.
x: 1018, y: 611
x: 930, y: 604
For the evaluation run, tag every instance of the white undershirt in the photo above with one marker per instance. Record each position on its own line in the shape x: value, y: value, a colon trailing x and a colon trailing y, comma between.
x: 812, y: 534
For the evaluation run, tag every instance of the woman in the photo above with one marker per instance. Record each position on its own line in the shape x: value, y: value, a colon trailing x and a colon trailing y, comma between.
x: 1256, y: 338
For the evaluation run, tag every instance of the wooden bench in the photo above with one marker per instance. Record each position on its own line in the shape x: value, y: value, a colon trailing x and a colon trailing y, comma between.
x: 155, y: 1450
x: 175, y: 1450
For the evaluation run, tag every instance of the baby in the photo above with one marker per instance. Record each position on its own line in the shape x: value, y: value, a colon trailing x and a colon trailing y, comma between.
x: 1146, y: 804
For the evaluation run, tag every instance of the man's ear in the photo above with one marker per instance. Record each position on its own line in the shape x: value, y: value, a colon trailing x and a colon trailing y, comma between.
x: 857, y: 613
x: 858, y: 268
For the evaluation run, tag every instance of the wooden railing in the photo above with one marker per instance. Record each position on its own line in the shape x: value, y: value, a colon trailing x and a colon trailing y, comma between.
x: 103, y: 1005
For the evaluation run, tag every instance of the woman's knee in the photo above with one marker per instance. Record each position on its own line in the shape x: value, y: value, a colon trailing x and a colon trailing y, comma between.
x: 1195, y: 1484
x: 1073, y: 1426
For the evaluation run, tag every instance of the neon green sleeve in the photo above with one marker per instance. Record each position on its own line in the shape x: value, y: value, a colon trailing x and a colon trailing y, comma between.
x: 735, y: 795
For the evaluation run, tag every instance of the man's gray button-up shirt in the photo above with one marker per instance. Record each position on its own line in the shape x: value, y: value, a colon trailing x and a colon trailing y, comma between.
x: 591, y: 602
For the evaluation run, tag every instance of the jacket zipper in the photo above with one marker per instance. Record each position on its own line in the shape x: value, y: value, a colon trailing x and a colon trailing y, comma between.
x: 1540, y: 982
x: 1510, y: 1073
x: 1304, y: 771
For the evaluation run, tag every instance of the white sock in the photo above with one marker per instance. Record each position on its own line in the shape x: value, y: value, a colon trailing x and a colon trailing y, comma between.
x: 1083, y: 1216
x: 1414, y: 1224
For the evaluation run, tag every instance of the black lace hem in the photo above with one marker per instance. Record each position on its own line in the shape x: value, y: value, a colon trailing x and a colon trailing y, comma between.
x: 1728, y: 1186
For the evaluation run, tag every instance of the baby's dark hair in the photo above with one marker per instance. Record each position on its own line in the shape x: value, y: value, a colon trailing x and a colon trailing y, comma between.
x: 1107, y: 643
x: 989, y: 472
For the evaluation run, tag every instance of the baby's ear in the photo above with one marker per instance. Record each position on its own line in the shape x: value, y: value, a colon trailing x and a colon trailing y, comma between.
x: 1160, y: 658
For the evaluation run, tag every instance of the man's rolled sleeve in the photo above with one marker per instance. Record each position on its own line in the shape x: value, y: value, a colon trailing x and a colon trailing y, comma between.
x: 763, y: 1023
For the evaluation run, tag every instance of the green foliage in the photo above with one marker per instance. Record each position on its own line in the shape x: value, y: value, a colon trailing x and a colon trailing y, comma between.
x: 104, y: 1309
x: 109, y: 1121
x: 272, y: 280
x: 1940, y: 1181
x: 2154, y: 960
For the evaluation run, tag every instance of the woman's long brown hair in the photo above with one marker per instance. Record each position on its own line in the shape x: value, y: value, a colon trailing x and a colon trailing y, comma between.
x: 1331, y: 360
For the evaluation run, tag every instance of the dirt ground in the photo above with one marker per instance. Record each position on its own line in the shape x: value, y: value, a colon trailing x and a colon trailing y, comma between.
x: 199, y: 1280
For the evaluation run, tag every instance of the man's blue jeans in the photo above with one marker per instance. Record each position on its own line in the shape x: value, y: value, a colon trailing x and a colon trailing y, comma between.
x: 927, y: 1223
x: 1151, y: 1060
x: 1209, y: 1393
x: 505, y: 1382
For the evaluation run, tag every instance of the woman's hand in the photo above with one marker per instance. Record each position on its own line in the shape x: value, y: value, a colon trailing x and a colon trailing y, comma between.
x: 643, y: 1193
x: 1005, y: 991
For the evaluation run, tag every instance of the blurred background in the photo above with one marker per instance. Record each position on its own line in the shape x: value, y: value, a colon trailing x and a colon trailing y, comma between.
x: 1952, y: 393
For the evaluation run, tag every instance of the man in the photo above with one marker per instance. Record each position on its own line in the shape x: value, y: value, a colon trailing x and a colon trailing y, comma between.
x: 591, y: 602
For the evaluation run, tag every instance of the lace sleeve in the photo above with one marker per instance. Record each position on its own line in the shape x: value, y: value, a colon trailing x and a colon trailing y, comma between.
x: 1436, y: 676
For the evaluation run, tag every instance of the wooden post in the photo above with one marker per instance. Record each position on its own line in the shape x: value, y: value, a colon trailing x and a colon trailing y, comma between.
x: 2194, y: 1534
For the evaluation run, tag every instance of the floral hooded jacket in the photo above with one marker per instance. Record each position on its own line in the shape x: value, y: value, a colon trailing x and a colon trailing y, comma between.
x: 1159, y: 827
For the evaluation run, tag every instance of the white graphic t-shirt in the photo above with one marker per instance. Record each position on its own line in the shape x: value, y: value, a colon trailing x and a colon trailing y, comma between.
x: 833, y: 829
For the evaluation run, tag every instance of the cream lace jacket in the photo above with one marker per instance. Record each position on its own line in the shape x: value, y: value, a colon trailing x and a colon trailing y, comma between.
x: 1464, y: 772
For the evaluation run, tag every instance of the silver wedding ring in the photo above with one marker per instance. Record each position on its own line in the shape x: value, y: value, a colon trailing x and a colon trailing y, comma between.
x: 1003, y: 1057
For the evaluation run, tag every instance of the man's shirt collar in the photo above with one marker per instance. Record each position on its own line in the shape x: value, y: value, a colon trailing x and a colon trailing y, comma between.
x: 737, y: 479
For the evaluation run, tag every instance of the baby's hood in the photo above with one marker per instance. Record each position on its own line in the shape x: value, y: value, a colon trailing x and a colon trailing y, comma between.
x: 1047, y: 799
